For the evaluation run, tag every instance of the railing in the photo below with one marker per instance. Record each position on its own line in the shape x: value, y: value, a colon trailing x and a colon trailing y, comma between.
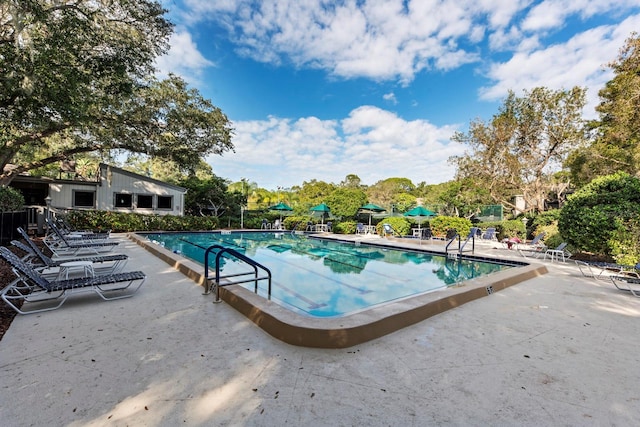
x: 215, y: 280
x: 470, y: 238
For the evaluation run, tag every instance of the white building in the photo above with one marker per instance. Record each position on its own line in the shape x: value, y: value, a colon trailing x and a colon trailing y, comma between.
x: 114, y: 189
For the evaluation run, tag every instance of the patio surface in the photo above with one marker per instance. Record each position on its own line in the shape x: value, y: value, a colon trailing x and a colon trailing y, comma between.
x: 559, y: 349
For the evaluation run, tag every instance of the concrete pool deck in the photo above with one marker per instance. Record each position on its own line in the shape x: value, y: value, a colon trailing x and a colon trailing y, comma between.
x: 558, y: 349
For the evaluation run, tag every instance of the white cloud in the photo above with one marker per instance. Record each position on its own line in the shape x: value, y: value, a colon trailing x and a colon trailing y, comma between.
x: 551, y: 14
x: 183, y: 59
x: 376, y: 39
x: 579, y: 61
x: 391, y: 97
x: 372, y: 143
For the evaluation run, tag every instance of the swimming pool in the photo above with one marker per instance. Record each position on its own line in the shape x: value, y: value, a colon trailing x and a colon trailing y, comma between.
x: 327, y: 278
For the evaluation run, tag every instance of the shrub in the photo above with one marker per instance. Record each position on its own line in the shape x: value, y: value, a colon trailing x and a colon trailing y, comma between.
x: 11, y: 200
x: 511, y: 228
x: 125, y: 221
x: 440, y: 224
x: 400, y: 224
x: 345, y: 227
x: 602, y: 217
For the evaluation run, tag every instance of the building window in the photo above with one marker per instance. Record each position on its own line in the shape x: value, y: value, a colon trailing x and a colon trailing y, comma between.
x: 123, y: 200
x: 84, y: 199
x: 165, y: 202
x: 145, y: 201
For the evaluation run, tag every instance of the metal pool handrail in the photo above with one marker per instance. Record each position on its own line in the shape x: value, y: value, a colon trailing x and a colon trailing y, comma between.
x: 216, y: 279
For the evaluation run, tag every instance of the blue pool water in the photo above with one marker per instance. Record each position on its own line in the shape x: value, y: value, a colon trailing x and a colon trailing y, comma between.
x: 326, y: 278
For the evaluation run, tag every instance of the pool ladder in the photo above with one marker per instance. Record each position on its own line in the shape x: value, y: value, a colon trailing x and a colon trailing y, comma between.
x: 214, y: 281
x: 456, y: 237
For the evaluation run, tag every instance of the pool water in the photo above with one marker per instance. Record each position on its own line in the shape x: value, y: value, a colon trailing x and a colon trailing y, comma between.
x: 327, y: 278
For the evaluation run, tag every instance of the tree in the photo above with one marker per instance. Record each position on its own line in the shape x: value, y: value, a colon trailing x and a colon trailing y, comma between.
x: 75, y: 77
x: 403, y: 202
x: 604, y: 217
x: 210, y: 197
x: 616, y: 146
x: 384, y: 191
x: 313, y: 192
x: 351, y: 181
x: 345, y: 202
x: 523, y: 144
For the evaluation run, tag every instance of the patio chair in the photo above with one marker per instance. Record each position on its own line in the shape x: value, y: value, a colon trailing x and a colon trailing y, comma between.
x: 627, y: 284
x: 535, y: 247
x: 389, y: 230
x: 360, y: 228
x: 559, y: 252
x: 66, y: 229
x: 489, y: 234
x: 30, y: 287
x: 588, y: 269
x: 63, y: 247
x: 102, y: 264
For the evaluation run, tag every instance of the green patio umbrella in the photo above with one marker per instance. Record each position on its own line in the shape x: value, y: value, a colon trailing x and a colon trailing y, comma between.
x: 420, y: 213
x: 322, y: 208
x: 372, y: 209
x: 281, y: 207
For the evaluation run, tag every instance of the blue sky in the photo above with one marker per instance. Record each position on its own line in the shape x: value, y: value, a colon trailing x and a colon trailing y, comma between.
x: 322, y: 89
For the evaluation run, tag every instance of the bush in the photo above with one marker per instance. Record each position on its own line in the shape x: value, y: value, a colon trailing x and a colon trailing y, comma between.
x: 602, y: 218
x: 124, y: 221
x: 345, y: 227
x: 11, y: 200
x: 441, y: 224
x: 398, y: 223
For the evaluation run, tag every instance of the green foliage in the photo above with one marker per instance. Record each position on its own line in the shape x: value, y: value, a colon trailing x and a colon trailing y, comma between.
x: 210, y: 197
x: 404, y: 202
x: 75, y: 77
x: 516, y: 151
x: 345, y: 227
x: 383, y: 192
x: 441, y: 224
x: 11, y: 200
x: 602, y: 217
x: 299, y: 221
x: 128, y: 222
x: 398, y: 223
x: 345, y: 202
x: 544, y: 219
x: 313, y: 192
x: 511, y: 228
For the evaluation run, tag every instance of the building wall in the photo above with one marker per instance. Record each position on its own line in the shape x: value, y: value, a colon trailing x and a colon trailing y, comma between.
x: 124, y: 191
x: 118, y: 190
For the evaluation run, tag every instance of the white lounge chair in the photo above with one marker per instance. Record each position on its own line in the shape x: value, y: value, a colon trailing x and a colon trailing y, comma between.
x: 26, y: 293
x: 560, y: 252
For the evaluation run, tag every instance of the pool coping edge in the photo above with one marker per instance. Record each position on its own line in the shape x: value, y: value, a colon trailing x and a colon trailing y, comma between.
x: 346, y: 331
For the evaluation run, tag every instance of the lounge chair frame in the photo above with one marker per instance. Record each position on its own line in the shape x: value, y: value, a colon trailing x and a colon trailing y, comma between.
x: 560, y: 252
x: 30, y: 287
x: 624, y: 283
x: 102, y: 264
x: 63, y: 247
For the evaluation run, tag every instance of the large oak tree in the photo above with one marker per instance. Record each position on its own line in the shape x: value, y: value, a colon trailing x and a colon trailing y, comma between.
x: 76, y: 77
x: 521, y: 148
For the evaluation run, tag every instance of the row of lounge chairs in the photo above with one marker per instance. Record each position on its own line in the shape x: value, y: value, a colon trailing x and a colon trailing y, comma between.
x: 624, y: 277
x: 39, y: 285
